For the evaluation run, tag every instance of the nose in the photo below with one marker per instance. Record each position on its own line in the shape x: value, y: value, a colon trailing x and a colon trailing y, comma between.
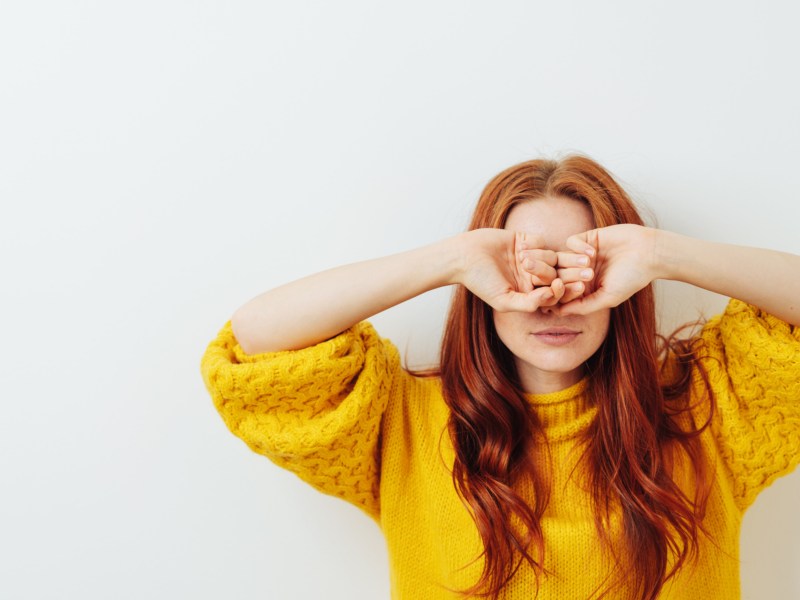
x: 548, y: 310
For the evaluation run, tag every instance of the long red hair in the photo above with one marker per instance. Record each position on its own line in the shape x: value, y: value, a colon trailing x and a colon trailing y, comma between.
x: 628, y: 447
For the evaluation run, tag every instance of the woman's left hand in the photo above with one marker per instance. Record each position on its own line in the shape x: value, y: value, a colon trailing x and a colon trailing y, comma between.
x: 623, y: 259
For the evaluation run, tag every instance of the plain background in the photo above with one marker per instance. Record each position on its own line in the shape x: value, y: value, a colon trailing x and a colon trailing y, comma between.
x: 162, y: 162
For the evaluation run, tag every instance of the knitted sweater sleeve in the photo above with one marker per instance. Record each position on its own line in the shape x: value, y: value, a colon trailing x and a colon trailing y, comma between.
x: 753, y: 362
x: 315, y: 411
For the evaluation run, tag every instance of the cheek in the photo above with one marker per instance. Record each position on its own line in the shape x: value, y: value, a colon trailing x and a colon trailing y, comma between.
x: 600, y: 325
x: 508, y: 325
x: 500, y: 322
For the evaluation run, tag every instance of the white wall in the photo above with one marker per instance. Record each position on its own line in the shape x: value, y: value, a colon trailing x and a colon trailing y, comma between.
x: 162, y: 162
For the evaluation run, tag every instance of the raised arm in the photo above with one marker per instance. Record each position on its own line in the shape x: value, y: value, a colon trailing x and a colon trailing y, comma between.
x: 318, y: 307
x: 628, y: 257
x: 312, y: 309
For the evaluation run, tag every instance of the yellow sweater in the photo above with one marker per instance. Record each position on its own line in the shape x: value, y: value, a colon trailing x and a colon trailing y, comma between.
x: 348, y: 419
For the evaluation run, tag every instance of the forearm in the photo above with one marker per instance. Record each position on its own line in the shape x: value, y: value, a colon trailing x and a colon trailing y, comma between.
x: 315, y: 308
x: 765, y: 278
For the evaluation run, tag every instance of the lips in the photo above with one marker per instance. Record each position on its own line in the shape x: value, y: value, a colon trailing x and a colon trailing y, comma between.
x: 556, y: 331
x: 557, y: 336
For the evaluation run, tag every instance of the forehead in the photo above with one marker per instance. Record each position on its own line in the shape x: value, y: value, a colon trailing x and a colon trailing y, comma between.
x: 554, y: 218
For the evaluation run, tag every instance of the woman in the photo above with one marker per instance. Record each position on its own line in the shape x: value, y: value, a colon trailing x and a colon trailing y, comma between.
x: 559, y: 448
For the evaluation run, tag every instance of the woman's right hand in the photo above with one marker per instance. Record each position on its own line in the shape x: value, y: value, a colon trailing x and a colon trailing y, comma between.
x: 513, y: 271
x: 508, y: 271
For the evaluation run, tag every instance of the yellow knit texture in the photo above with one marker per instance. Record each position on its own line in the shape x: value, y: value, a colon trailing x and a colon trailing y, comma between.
x: 348, y: 419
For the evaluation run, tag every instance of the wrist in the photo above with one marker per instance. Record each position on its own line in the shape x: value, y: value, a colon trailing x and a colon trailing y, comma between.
x: 661, y: 259
x: 673, y: 255
x: 446, y: 257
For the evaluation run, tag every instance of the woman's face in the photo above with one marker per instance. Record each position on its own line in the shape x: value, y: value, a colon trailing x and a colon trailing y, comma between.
x: 551, y: 363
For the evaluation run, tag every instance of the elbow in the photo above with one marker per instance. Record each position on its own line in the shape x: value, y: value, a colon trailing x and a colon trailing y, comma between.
x: 242, y: 327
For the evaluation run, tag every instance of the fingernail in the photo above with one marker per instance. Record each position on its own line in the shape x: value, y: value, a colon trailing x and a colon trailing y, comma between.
x: 583, y: 260
x: 586, y: 273
x: 590, y: 251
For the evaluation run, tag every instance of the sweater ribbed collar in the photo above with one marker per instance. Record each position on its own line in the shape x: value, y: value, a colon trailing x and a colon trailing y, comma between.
x: 566, y: 413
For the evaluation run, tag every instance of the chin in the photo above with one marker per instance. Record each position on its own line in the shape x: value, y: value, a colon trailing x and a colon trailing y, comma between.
x: 551, y: 362
x: 564, y: 360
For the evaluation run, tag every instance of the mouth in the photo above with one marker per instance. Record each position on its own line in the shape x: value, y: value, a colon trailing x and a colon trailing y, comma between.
x: 557, y: 336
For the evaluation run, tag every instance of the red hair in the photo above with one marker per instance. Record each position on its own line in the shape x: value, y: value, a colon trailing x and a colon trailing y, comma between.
x: 629, y: 446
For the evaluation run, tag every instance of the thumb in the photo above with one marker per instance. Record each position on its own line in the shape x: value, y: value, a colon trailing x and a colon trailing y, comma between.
x: 593, y: 302
x: 524, y: 301
x: 584, y: 243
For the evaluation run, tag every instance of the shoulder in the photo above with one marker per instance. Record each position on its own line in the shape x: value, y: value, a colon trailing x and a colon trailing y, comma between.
x: 417, y: 412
